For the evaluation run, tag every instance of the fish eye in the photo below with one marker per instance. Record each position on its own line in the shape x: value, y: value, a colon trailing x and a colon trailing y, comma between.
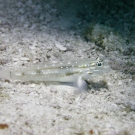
x: 99, y: 63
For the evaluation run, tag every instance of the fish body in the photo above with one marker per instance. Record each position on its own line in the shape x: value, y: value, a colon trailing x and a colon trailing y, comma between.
x: 71, y: 71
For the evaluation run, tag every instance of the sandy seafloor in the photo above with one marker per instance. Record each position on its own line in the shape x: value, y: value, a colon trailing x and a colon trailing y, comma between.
x: 42, y: 31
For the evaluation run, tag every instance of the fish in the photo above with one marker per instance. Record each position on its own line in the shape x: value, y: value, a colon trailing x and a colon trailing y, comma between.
x: 76, y: 72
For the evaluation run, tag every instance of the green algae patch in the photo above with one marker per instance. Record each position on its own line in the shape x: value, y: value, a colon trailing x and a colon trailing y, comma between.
x: 104, y: 37
x: 3, y: 96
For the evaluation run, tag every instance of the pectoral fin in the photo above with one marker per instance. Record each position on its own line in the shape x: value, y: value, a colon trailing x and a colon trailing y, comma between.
x: 81, y: 85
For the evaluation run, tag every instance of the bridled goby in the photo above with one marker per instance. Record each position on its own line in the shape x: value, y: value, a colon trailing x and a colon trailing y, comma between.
x: 75, y: 72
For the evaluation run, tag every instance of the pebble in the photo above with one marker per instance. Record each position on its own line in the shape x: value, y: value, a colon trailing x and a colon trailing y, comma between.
x: 32, y: 47
x: 25, y: 59
x: 2, y: 48
x: 120, y: 82
x: 3, y: 61
x: 83, y: 96
x: 60, y: 47
x: 32, y: 85
x: 22, y: 19
x: 132, y: 105
x: 21, y: 10
x: 15, y: 59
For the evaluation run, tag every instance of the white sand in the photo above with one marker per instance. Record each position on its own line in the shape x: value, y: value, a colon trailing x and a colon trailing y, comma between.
x: 29, y: 34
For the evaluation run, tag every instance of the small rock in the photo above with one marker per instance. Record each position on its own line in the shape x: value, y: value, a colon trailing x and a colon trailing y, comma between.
x: 55, y: 105
x: 3, y: 61
x: 32, y: 47
x: 66, y: 117
x: 21, y: 10
x: 22, y: 18
x: 132, y: 105
x: 60, y: 47
x: 25, y: 59
x: 2, y: 48
x: 32, y: 85
x: 83, y: 96
x: 120, y: 82
x: 52, y: 90
x: 15, y: 59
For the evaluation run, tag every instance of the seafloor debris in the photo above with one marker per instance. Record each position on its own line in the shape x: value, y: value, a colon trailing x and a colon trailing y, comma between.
x: 3, y: 126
